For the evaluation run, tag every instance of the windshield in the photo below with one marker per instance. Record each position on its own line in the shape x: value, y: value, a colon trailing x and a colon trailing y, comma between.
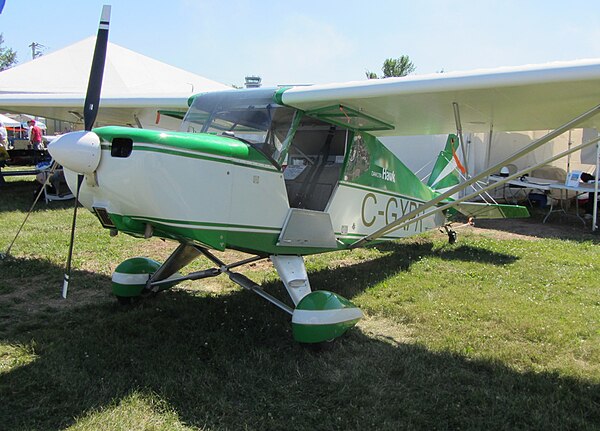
x: 250, y: 116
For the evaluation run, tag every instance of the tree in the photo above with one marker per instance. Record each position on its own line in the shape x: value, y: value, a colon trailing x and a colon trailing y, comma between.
x: 400, y: 66
x: 8, y: 57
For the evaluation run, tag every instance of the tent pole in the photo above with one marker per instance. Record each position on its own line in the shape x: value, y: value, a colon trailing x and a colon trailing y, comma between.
x: 489, y: 148
x: 595, y: 212
x: 569, y: 143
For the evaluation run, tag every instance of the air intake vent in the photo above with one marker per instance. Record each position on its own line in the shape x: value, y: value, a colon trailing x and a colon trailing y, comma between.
x: 104, y: 218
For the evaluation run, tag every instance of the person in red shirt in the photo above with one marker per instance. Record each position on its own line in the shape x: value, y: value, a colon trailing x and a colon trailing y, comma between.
x: 35, y: 136
x: 35, y: 139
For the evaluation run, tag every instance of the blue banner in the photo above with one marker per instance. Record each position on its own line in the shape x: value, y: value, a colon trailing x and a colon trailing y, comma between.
x: 2, y: 5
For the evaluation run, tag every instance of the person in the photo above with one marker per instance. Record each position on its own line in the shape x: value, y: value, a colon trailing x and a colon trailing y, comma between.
x: 4, y: 156
x: 589, y: 205
x: 3, y: 153
x: 35, y: 139
x: 3, y: 135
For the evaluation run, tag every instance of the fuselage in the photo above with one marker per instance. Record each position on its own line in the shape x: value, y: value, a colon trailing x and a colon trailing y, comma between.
x: 225, y: 191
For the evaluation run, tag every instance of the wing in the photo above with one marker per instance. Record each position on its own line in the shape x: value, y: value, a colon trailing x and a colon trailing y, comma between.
x: 535, y: 97
x: 539, y: 97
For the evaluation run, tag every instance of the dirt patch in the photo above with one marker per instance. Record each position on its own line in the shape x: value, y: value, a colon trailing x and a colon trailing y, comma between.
x: 386, y: 330
x: 565, y: 227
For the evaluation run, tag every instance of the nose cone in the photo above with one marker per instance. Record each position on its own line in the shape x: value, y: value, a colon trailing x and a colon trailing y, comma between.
x: 77, y: 151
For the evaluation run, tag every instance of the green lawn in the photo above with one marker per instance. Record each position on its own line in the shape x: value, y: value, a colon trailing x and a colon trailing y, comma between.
x: 495, y: 332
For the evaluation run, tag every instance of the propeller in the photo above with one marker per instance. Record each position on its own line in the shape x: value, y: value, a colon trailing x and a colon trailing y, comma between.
x: 72, y: 241
x: 90, y: 112
x: 92, y: 97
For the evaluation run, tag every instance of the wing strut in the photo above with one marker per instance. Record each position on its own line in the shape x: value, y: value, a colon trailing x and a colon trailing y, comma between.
x: 420, y: 212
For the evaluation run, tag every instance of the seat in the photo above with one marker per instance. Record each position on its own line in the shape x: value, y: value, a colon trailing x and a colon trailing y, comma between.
x: 54, y: 184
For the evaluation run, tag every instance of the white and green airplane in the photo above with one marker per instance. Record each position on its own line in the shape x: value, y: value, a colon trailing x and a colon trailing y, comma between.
x: 281, y: 173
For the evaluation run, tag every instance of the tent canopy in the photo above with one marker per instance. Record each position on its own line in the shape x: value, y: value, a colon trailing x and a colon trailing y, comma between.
x: 54, y: 85
x: 9, y: 122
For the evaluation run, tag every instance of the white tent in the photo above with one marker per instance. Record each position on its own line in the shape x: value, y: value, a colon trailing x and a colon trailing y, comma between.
x: 135, y: 87
x: 8, y: 122
x: 419, y: 152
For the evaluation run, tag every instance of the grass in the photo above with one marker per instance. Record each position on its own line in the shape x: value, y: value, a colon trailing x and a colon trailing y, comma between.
x: 495, y: 332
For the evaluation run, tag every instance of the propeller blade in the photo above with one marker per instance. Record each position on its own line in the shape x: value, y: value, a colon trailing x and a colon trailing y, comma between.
x: 70, y: 256
x: 90, y: 111
x: 92, y: 97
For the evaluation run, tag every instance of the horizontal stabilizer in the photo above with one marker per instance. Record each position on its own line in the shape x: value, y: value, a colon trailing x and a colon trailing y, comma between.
x: 483, y: 210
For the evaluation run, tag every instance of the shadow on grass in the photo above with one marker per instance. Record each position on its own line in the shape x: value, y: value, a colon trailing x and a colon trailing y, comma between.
x: 228, y: 362
x: 351, y: 280
x: 19, y: 194
x: 30, y: 292
x: 561, y: 226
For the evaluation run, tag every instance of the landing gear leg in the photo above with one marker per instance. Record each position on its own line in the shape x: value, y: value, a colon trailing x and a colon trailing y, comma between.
x: 318, y: 316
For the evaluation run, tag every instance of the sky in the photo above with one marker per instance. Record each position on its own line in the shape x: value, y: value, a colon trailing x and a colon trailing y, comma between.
x: 310, y: 41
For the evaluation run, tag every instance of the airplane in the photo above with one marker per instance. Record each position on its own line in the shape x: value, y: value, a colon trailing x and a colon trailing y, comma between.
x: 282, y: 173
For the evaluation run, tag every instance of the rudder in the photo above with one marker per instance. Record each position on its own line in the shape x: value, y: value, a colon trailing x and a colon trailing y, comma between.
x: 447, y: 169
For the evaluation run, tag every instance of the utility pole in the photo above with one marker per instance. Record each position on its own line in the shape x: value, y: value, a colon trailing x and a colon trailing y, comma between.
x: 36, y: 50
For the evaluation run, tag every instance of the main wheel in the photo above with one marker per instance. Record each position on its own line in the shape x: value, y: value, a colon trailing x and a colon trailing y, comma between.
x: 322, y: 316
x: 131, y: 276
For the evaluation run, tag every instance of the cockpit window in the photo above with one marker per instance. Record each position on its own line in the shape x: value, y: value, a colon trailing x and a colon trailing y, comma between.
x: 250, y: 116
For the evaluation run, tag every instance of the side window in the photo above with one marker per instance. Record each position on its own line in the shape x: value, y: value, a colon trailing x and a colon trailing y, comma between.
x: 315, y: 161
x: 359, y: 159
x: 121, y: 147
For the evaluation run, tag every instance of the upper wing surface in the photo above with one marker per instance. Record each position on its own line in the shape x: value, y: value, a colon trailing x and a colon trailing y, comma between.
x: 535, y: 97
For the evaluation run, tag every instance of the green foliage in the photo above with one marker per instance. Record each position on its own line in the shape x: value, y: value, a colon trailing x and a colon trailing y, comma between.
x: 394, y: 67
x: 8, y: 57
x: 401, y: 66
x: 489, y: 333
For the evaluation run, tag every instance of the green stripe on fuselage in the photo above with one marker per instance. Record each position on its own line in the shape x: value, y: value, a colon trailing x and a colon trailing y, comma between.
x: 198, y: 142
x: 229, y: 161
x: 219, y: 236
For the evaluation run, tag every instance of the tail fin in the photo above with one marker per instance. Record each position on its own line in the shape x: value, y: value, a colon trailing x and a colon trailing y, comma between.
x: 445, y: 173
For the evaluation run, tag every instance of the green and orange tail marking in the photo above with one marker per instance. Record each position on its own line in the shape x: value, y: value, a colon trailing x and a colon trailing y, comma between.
x: 448, y: 167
